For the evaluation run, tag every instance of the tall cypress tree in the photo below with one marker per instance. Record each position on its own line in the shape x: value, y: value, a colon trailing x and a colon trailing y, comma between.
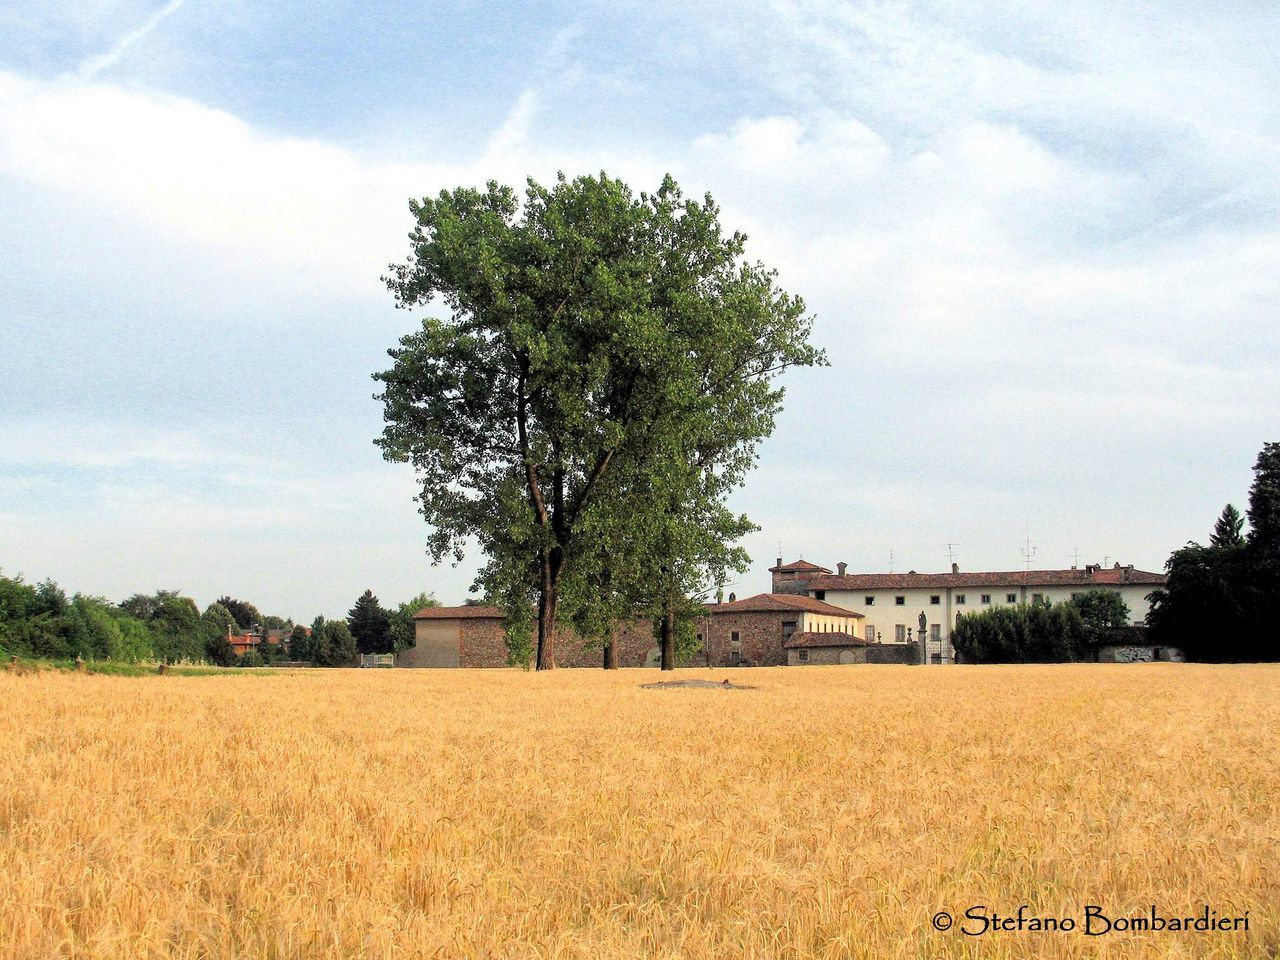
x: 370, y: 624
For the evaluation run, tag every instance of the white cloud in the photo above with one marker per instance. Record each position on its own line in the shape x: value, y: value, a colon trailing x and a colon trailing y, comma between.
x: 1023, y: 246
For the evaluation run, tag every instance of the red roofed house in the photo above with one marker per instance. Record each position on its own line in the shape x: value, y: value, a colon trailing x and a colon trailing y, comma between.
x: 242, y: 643
x: 892, y: 603
x: 755, y: 631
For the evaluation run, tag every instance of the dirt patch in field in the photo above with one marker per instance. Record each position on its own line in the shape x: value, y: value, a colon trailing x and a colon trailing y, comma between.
x: 709, y: 684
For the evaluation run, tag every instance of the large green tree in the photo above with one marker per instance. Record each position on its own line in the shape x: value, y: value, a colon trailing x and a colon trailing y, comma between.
x: 1207, y: 605
x: 301, y: 645
x: 246, y: 614
x: 1264, y: 504
x: 592, y: 335
x: 1100, y: 611
x: 1264, y: 550
x: 1221, y: 601
x: 370, y: 624
x: 334, y: 645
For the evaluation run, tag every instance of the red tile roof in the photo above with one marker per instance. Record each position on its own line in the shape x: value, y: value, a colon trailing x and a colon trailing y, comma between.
x: 799, y: 566
x: 1084, y: 577
x: 808, y: 638
x: 785, y: 602
x: 459, y: 613
x: 760, y: 603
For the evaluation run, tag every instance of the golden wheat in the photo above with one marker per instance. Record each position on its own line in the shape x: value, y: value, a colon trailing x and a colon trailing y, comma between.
x: 831, y: 812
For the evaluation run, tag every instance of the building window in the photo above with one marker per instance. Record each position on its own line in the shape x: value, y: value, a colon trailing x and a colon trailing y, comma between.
x: 819, y: 594
x: 735, y: 640
x: 960, y: 599
x: 1010, y: 598
x: 935, y: 631
x: 985, y: 598
x: 699, y: 641
x: 900, y: 632
x: 1076, y: 596
x: 788, y: 628
x: 871, y: 634
x: 735, y: 658
x: 870, y: 601
x: 900, y: 601
x: 802, y: 656
x: 935, y: 599
x: 1037, y: 597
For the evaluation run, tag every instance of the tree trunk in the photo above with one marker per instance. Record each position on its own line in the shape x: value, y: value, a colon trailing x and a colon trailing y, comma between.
x: 547, y: 596
x: 668, y: 639
x: 610, y: 652
x: 546, y: 628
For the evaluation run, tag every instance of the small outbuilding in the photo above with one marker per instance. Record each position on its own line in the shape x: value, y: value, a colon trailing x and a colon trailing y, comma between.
x: 808, y: 648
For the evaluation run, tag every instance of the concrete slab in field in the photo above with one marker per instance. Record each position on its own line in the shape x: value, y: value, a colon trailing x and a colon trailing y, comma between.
x: 710, y: 684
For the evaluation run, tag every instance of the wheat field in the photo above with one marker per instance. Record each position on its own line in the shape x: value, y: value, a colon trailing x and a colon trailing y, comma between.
x: 829, y: 812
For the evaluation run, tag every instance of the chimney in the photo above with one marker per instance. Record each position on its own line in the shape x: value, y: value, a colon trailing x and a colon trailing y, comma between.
x: 955, y: 568
x: 841, y: 568
x: 779, y: 563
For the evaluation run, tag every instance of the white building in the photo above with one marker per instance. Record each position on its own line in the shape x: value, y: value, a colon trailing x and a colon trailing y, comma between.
x: 893, y: 603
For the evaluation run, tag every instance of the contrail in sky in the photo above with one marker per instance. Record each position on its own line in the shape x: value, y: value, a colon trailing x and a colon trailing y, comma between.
x: 94, y: 65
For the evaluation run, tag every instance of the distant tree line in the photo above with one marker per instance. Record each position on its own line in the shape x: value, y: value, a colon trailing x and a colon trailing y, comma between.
x: 40, y: 621
x: 1221, y: 600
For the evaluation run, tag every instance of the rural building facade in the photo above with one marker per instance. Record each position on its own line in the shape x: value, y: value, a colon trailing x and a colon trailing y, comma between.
x: 804, y: 649
x: 750, y: 632
x: 893, y: 604
x: 811, y: 616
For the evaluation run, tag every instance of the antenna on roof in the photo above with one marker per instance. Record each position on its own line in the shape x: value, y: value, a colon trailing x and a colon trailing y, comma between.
x: 1075, y: 559
x: 891, y: 561
x: 1028, y: 551
x: 951, y: 553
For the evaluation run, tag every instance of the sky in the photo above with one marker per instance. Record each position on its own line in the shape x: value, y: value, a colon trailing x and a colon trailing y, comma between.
x: 1039, y: 243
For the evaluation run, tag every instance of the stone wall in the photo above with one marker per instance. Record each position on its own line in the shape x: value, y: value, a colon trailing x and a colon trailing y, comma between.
x: 826, y: 656
x: 901, y: 653
x: 481, y: 642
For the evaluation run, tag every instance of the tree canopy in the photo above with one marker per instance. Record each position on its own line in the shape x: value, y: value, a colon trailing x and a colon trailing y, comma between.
x: 1030, y: 633
x: 1229, y: 530
x: 333, y: 644
x: 598, y: 344
x: 370, y: 624
x: 1221, y: 601
x: 246, y: 614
